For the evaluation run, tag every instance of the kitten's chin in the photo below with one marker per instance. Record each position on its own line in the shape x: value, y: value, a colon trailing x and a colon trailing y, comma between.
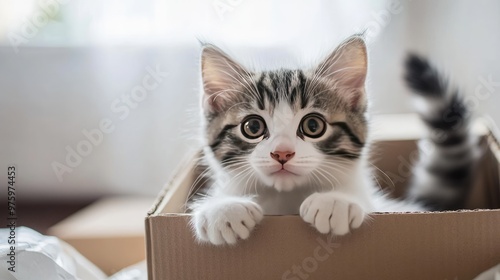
x: 284, y: 182
x: 283, y: 187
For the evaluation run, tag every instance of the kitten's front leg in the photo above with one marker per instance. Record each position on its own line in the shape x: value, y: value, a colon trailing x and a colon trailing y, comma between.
x: 224, y: 220
x: 333, y: 212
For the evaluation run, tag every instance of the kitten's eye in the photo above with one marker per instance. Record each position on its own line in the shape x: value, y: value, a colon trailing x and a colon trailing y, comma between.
x: 313, y: 126
x: 253, y: 127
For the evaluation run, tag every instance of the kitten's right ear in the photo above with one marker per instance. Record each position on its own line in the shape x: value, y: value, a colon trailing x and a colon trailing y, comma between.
x: 346, y: 69
x: 222, y: 79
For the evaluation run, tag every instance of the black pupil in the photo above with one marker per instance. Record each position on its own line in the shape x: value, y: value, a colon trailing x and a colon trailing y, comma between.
x: 253, y: 126
x: 312, y: 125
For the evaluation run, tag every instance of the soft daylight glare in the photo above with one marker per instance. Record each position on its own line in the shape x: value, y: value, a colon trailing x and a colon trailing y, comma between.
x: 137, y: 23
x: 68, y: 66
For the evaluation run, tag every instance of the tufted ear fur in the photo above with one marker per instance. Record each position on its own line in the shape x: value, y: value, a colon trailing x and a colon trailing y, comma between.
x: 346, y: 68
x: 222, y: 77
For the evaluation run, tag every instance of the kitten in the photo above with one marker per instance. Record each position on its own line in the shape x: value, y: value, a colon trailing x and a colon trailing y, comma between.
x: 450, y: 152
x: 287, y: 141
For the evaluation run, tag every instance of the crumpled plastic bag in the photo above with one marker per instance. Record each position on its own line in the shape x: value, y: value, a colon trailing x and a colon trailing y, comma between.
x: 43, y: 257
x: 47, y: 257
x: 135, y: 272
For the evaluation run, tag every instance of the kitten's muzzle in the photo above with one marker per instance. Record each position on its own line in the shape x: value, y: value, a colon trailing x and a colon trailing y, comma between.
x: 282, y: 157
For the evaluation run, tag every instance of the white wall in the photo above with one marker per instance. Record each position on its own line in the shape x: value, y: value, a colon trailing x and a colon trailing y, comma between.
x: 461, y: 37
x: 50, y: 95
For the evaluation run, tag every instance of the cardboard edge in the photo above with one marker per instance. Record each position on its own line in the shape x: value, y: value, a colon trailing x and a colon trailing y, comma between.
x: 178, y: 175
x: 149, y: 248
x: 373, y: 214
x: 159, y: 198
x: 493, y: 135
x: 494, y: 146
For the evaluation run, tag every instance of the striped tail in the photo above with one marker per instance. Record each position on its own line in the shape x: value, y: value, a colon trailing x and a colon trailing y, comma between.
x: 443, y: 175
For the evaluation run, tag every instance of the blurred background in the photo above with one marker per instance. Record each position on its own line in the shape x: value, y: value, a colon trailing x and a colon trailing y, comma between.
x: 100, y: 97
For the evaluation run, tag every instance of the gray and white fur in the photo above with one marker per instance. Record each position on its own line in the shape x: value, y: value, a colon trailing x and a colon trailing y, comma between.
x: 448, y: 155
x: 287, y: 141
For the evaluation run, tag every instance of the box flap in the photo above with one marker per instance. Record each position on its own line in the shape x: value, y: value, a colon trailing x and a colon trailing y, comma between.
x: 172, y: 197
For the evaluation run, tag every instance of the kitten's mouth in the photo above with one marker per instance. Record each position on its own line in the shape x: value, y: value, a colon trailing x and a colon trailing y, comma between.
x: 283, y: 172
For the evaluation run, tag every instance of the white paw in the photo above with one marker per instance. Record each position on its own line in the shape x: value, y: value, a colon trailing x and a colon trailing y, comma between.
x: 224, y: 221
x: 332, y: 212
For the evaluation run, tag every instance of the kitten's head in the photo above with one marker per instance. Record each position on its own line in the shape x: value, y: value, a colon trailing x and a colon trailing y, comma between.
x: 286, y: 128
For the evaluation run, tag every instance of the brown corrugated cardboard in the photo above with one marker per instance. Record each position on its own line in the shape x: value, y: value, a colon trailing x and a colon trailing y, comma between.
x: 110, y: 232
x: 438, y: 245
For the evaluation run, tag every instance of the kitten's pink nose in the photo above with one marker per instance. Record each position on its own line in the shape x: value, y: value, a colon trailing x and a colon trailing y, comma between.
x: 282, y: 157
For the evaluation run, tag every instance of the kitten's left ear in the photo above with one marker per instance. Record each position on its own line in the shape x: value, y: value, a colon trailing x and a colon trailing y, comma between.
x: 222, y: 77
x: 346, y: 67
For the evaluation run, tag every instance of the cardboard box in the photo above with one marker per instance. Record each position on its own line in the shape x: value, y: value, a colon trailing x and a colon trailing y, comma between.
x: 433, y: 245
x: 110, y: 232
